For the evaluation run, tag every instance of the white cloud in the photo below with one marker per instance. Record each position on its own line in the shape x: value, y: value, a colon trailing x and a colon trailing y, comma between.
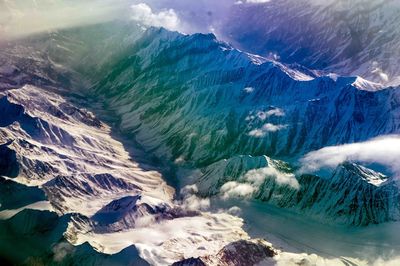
x: 253, y: 180
x: 263, y: 115
x: 235, y: 210
x: 248, y: 90
x: 196, y: 16
x: 145, y: 15
x: 382, y: 150
x: 234, y: 189
x: 272, y: 128
x: 377, y: 70
x: 191, y: 201
x: 189, y: 190
x: 258, y: 176
x: 180, y: 160
x: 289, y: 258
x: 268, y: 127
x: 274, y: 112
x: 195, y: 203
x: 258, y: 133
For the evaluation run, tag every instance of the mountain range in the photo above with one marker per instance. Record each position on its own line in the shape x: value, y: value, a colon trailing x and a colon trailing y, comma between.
x: 124, y: 145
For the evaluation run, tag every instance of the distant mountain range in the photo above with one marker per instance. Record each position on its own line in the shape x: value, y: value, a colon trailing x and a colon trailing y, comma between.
x: 346, y: 37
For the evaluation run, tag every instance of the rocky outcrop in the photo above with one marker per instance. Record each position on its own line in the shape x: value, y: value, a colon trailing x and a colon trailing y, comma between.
x: 236, y: 254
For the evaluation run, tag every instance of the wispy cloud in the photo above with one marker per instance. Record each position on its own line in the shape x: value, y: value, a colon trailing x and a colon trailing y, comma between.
x: 266, y: 128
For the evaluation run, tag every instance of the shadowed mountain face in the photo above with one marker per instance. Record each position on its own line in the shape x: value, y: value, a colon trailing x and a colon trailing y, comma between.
x: 237, y: 123
x: 36, y: 238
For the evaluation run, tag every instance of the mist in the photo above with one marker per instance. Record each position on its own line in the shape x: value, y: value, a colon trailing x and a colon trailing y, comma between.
x: 19, y: 19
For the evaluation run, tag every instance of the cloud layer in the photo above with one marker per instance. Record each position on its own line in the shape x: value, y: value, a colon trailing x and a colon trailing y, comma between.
x: 384, y: 151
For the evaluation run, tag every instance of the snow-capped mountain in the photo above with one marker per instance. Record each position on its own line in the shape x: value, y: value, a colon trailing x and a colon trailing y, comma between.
x: 72, y: 168
x: 72, y: 188
x: 347, y: 37
x: 221, y: 103
x: 238, y: 120
x: 352, y: 194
